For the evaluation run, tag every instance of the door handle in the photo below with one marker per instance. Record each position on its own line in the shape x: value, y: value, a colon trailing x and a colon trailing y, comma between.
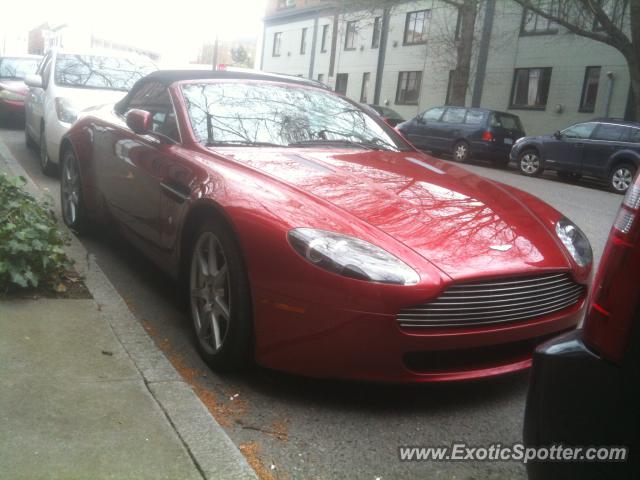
x: 579, y: 145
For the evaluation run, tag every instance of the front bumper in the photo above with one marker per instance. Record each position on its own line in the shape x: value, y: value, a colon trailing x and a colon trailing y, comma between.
x: 319, y: 341
x: 576, y: 398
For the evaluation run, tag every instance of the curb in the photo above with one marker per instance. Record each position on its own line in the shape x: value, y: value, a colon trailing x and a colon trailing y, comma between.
x: 212, y: 451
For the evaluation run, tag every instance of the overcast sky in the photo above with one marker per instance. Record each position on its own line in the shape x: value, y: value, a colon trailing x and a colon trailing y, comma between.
x: 165, y: 26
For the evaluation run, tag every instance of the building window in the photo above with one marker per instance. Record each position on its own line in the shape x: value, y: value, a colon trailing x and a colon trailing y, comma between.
x: 303, y: 42
x: 447, y: 100
x: 590, y: 89
x: 321, y: 77
x: 377, y: 25
x: 277, y: 41
x: 530, y: 88
x: 286, y: 4
x: 325, y: 38
x: 615, y: 10
x: 408, y: 91
x: 350, y: 36
x: 415, y: 27
x: 341, y: 83
x: 534, y: 24
x: 366, y: 77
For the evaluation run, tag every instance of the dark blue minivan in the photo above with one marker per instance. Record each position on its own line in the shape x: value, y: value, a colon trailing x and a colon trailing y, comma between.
x: 465, y: 132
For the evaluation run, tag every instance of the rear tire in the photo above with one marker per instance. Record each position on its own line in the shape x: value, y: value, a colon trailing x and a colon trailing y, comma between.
x: 72, y: 204
x: 461, y: 151
x: 219, y: 298
x: 530, y: 163
x: 47, y: 167
x: 621, y: 177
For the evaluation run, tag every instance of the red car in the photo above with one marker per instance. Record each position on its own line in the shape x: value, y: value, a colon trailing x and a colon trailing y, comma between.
x: 314, y: 239
x: 585, y: 385
x: 12, y: 87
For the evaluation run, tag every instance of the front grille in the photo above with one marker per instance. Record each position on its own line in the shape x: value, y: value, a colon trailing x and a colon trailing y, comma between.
x: 488, y: 302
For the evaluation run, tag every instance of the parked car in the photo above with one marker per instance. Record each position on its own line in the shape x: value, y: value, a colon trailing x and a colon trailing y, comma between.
x: 311, y: 237
x: 607, y: 149
x: 465, y: 132
x: 585, y: 385
x: 67, y: 83
x: 389, y: 115
x: 12, y: 88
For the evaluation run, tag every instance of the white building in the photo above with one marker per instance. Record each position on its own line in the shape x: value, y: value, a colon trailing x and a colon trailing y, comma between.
x: 521, y: 63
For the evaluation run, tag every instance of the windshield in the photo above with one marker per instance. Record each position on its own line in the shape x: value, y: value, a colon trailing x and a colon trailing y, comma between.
x: 108, y: 73
x: 279, y: 115
x: 18, y: 68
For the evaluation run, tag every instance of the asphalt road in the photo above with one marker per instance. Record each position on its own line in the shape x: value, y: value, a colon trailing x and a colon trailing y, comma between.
x: 291, y: 427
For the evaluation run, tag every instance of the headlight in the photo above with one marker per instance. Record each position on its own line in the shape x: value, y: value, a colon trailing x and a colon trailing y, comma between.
x: 351, y: 257
x: 575, y: 241
x: 9, y: 95
x: 65, y: 111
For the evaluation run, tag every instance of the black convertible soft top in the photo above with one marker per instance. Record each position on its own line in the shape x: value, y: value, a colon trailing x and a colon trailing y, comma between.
x: 167, y: 77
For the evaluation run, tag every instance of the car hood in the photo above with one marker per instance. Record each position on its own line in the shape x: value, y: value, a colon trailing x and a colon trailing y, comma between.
x: 83, y: 98
x: 462, y: 223
x: 17, y: 86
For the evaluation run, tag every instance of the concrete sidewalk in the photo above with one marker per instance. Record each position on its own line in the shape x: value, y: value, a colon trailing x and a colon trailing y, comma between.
x: 86, y: 394
x: 73, y: 405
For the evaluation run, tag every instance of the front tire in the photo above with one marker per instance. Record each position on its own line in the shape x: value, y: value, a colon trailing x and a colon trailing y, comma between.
x: 461, y: 152
x: 621, y: 177
x: 71, y: 198
x: 530, y: 163
x: 47, y: 167
x: 220, y: 300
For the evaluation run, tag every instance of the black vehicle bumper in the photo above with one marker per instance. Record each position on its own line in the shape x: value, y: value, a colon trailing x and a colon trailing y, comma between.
x: 576, y: 399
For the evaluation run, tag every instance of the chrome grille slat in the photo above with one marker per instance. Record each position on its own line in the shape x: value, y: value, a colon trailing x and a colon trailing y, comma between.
x: 469, y: 316
x: 487, y: 322
x: 448, y: 306
x: 537, y: 279
x: 550, y: 284
x: 486, y: 303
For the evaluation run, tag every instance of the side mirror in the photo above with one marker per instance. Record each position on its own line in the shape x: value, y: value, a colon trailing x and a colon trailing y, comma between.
x: 420, y: 119
x: 139, y: 121
x: 557, y: 134
x: 33, y: 80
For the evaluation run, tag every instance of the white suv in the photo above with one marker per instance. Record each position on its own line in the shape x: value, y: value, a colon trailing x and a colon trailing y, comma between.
x: 69, y: 82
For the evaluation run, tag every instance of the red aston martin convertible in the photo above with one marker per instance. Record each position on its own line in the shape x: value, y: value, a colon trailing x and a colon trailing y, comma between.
x: 314, y: 239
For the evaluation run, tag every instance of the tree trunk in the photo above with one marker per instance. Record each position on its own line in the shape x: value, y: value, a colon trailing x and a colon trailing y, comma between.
x: 464, y: 48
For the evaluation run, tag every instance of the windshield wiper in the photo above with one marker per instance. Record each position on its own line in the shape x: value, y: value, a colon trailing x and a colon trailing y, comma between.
x: 247, y: 143
x: 340, y: 143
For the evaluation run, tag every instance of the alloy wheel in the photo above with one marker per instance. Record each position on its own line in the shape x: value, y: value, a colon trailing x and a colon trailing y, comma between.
x: 460, y: 152
x: 70, y: 187
x: 210, y: 293
x: 530, y: 163
x: 621, y: 179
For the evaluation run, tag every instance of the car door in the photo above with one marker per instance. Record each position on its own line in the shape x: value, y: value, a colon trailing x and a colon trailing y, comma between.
x: 450, y: 128
x: 34, y: 101
x: 422, y: 129
x: 131, y: 166
x: 563, y: 151
x: 604, y: 141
